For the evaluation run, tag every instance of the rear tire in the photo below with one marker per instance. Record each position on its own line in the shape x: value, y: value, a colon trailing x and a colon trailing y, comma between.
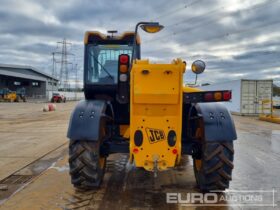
x: 213, y: 162
x: 213, y: 170
x: 87, y: 166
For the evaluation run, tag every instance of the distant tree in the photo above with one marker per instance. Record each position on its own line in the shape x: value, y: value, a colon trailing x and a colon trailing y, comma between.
x: 205, y: 84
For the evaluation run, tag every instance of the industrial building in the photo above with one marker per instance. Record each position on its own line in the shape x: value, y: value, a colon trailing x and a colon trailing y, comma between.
x: 247, y: 95
x: 38, y: 85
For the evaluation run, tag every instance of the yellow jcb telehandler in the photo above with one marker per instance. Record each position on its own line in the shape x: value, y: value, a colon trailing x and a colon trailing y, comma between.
x: 143, y: 109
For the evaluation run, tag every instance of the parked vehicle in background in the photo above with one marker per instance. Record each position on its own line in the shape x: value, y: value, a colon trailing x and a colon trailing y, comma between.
x: 21, y: 94
x: 8, y: 95
x: 58, y: 98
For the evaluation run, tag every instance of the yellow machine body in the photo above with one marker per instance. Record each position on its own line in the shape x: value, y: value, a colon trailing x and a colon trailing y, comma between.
x: 11, y: 97
x: 156, y: 92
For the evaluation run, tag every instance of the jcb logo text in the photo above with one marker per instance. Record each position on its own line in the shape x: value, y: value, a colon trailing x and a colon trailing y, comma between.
x: 155, y: 135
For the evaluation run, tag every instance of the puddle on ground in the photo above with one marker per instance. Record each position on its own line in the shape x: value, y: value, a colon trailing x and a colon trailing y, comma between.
x: 59, y: 169
x: 275, y: 141
x: 23, y: 177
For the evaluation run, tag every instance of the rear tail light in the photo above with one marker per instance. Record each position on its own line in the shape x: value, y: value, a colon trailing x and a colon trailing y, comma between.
x: 175, y: 151
x: 208, y: 97
x: 123, y: 68
x: 124, y: 59
x: 227, y: 95
x: 135, y: 150
x: 123, y: 63
x: 123, y: 79
x: 218, y: 96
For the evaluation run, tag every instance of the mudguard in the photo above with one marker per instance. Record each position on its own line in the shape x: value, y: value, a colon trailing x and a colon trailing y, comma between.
x: 86, y: 120
x: 218, y: 123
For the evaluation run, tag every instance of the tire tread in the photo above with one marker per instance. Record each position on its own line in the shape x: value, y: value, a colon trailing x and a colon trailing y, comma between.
x: 217, y: 165
x: 85, y: 171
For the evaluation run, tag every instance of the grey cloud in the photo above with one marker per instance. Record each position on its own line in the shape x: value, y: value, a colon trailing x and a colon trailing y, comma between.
x: 233, y: 44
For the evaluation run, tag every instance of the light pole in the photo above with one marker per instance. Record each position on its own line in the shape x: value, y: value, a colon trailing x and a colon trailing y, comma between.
x: 52, y: 71
x: 149, y: 27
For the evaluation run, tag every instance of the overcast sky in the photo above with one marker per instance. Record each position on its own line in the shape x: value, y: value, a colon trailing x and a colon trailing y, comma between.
x: 236, y: 38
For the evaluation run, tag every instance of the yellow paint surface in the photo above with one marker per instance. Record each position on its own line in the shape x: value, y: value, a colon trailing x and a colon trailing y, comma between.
x: 156, y: 109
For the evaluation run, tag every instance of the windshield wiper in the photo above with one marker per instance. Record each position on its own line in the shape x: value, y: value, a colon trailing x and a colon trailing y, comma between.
x: 102, y: 67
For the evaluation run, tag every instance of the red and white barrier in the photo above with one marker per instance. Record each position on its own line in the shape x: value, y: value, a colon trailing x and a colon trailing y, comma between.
x: 49, y: 107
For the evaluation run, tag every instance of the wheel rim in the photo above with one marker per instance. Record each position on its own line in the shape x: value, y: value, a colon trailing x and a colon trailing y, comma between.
x: 102, y: 162
x: 198, y: 136
x: 197, y: 164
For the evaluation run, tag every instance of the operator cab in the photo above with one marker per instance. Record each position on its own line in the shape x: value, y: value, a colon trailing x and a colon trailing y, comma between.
x: 101, y: 62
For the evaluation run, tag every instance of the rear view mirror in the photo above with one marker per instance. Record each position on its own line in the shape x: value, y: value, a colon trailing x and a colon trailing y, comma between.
x: 198, y: 66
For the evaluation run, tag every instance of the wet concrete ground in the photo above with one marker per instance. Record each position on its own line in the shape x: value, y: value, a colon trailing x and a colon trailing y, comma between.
x: 45, y: 183
x: 28, y: 133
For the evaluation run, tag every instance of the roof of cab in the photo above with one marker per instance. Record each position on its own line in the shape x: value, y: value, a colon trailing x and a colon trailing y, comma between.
x: 104, y: 36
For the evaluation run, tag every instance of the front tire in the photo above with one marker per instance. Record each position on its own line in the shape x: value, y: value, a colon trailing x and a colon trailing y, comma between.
x: 87, y: 166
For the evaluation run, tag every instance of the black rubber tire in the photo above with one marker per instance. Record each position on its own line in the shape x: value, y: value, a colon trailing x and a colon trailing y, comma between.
x: 86, y: 171
x: 216, y: 166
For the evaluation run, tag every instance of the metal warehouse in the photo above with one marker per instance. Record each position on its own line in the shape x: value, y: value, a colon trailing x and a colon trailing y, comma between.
x: 247, y: 95
x: 38, y: 85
